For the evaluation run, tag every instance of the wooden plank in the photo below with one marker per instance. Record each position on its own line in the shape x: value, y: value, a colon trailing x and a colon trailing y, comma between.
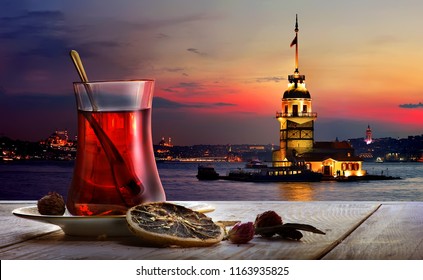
x: 335, y: 218
x: 395, y: 231
x: 15, y: 230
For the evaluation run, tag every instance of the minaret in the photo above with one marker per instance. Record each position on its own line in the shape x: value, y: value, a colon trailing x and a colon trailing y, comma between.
x: 296, y: 119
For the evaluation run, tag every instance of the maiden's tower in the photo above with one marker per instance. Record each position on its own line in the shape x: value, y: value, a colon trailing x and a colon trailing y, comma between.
x: 296, y: 132
x: 296, y: 118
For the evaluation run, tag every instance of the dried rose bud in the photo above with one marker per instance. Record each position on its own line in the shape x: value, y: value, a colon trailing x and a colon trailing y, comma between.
x: 51, y: 204
x: 268, y: 219
x: 241, y: 233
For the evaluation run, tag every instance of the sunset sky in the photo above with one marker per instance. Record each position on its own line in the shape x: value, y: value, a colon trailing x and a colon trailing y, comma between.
x: 220, y: 67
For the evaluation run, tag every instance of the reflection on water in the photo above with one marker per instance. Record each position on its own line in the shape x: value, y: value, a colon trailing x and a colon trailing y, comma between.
x: 296, y: 191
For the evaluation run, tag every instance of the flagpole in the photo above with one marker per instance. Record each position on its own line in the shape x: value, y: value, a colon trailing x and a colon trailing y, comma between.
x: 296, y: 45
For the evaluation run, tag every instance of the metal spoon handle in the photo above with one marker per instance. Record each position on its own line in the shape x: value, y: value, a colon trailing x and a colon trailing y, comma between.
x: 83, y: 76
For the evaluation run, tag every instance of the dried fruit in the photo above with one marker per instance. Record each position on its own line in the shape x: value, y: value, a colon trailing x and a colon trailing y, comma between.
x: 241, y: 233
x: 165, y: 224
x: 51, y: 204
x: 289, y: 233
x: 268, y: 219
x: 288, y: 230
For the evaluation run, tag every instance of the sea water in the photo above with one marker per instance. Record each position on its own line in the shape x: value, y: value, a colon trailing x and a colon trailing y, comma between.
x: 29, y: 180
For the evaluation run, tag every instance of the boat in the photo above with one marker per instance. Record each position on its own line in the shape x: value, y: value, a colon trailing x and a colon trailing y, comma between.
x: 293, y: 173
x: 274, y: 174
x: 207, y: 172
x: 379, y: 159
x: 255, y: 163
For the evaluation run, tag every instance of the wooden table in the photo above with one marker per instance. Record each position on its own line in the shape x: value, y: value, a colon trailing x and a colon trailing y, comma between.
x: 354, y: 230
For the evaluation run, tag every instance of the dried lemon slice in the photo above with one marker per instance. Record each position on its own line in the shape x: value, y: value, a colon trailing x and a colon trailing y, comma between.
x: 166, y: 224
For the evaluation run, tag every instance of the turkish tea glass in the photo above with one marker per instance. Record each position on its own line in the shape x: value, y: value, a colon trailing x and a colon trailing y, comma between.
x: 115, y: 166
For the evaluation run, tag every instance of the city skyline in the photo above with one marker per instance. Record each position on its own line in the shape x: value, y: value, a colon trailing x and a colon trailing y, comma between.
x: 220, y: 67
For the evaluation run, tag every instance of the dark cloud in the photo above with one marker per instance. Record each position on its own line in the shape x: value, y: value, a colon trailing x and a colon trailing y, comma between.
x: 28, y: 101
x: 160, y: 23
x: 173, y: 69
x: 49, y: 48
x: 223, y: 104
x: 196, y: 51
x: 193, y: 89
x: 162, y: 36
x: 411, y: 106
x: 190, y: 85
x: 35, y: 26
x: 34, y: 33
x: 187, y: 88
x: 169, y: 90
x: 275, y: 79
x: 35, y: 46
x: 32, y: 20
x: 94, y: 48
x: 163, y: 103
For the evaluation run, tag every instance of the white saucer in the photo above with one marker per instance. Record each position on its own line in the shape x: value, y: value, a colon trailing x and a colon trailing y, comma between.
x: 113, y: 225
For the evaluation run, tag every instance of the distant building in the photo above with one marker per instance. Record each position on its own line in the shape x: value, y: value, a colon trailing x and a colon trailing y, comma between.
x: 368, y: 139
x: 163, y: 151
x: 257, y: 148
x: 165, y: 143
x: 232, y: 157
x: 297, y: 133
x: 59, y: 139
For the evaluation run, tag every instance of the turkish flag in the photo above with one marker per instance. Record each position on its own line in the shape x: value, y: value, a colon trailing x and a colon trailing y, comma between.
x: 294, y: 42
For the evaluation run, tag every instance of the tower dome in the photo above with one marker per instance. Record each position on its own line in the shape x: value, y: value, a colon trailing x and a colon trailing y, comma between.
x: 296, y: 91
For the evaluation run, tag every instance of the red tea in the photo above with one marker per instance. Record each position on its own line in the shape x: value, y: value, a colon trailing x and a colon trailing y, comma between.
x: 115, y: 167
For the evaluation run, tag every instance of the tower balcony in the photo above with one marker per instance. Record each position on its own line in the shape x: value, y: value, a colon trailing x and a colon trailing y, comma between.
x: 296, y: 78
x: 296, y: 115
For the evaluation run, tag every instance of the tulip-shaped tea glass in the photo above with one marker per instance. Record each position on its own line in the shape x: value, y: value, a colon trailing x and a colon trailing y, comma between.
x: 115, y: 166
